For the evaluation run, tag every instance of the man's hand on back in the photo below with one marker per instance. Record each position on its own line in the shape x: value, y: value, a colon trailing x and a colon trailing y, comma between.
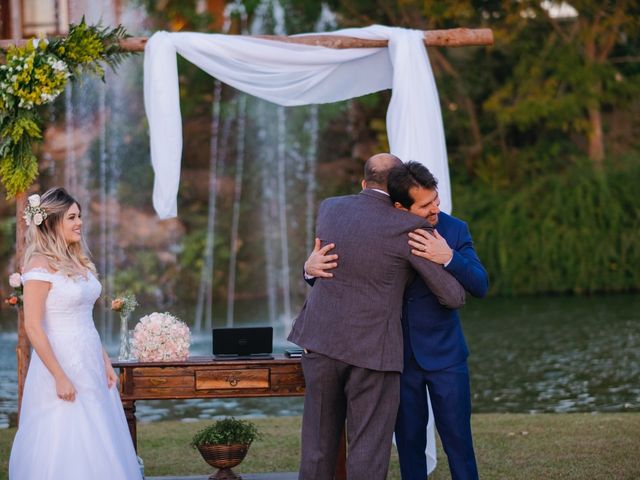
x: 320, y: 261
x: 430, y: 246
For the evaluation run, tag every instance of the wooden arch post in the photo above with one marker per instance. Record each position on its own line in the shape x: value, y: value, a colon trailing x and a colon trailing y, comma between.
x: 455, y: 37
x: 23, y: 349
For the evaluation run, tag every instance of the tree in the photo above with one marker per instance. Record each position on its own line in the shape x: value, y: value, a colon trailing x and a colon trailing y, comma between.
x: 537, y: 97
x: 565, y: 70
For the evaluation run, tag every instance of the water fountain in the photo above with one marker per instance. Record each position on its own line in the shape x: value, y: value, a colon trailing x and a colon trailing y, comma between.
x: 205, y: 288
x: 282, y: 168
x: 241, y: 104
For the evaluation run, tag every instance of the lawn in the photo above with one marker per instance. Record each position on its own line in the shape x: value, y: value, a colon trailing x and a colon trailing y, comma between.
x: 508, y: 446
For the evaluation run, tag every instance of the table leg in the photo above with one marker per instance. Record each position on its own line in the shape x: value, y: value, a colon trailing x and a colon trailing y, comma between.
x: 130, y: 412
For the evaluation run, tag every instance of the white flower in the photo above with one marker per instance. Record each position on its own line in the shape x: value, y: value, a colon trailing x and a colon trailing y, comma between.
x: 59, y: 66
x: 34, y: 200
x: 37, y: 218
x: 14, y: 280
x: 46, y: 97
x: 24, y: 104
x: 36, y: 41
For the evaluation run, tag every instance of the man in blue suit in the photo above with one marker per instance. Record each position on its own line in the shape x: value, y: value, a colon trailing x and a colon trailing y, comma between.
x: 435, y: 351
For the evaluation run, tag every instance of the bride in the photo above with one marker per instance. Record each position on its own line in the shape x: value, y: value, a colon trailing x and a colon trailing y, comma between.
x: 72, y: 425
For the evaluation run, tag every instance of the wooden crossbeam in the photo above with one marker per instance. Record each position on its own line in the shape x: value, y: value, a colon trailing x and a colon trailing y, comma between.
x: 454, y: 37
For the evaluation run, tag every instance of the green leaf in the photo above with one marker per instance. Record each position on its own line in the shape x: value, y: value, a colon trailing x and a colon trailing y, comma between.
x: 228, y: 431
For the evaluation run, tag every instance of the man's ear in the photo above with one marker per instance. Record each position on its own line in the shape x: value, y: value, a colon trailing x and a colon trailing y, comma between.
x: 363, y: 184
x: 399, y: 206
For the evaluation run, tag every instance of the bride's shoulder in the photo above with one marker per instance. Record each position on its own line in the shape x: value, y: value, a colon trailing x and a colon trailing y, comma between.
x: 37, y: 268
x: 38, y: 263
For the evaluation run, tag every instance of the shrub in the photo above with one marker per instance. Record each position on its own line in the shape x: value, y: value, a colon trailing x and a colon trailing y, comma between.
x: 228, y: 431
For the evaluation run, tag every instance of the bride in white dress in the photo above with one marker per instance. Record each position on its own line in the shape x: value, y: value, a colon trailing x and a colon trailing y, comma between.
x: 72, y: 425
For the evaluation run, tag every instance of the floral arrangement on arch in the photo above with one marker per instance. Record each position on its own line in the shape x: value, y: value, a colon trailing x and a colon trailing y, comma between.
x: 161, y: 337
x: 15, y: 298
x: 33, y: 75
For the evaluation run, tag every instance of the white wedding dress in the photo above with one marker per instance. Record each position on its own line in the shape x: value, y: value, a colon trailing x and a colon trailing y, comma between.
x: 87, y: 439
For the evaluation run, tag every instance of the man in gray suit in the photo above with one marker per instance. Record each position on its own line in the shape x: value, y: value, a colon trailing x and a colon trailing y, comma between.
x: 351, y: 332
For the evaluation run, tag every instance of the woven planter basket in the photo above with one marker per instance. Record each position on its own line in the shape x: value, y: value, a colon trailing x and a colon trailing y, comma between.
x: 223, y: 456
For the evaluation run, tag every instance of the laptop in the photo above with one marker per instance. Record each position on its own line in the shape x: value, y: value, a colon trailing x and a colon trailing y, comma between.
x: 242, y: 343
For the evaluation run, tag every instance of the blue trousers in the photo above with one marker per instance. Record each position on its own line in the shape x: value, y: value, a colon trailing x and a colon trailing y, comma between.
x: 451, y: 404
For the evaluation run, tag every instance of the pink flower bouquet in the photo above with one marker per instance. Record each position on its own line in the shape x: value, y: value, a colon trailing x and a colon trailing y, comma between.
x: 161, y: 337
x: 15, y: 298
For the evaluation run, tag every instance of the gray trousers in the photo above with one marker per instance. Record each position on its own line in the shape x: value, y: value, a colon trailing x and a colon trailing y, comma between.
x: 367, y: 399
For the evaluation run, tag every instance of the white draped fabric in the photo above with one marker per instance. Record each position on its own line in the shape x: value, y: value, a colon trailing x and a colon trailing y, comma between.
x: 292, y: 74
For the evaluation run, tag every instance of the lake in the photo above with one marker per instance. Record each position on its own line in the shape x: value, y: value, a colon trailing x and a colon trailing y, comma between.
x: 528, y: 354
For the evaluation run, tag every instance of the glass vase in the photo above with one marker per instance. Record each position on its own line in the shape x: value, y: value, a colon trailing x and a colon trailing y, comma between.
x: 132, y: 350
x: 125, y: 344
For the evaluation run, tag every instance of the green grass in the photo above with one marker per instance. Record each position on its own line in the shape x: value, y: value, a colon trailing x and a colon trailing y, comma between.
x: 508, y: 446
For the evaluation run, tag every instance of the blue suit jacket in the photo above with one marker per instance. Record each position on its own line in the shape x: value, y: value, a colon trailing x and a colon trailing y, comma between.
x: 431, y: 332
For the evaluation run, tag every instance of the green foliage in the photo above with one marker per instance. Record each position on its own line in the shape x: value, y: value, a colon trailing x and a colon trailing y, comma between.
x: 534, y: 88
x: 573, y: 231
x: 18, y: 164
x: 177, y: 16
x: 7, y: 236
x: 561, y: 71
x: 87, y: 45
x: 34, y: 75
x: 229, y: 431
x: 147, y: 275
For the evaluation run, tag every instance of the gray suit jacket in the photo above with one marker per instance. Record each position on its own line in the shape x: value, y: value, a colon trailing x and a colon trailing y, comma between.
x: 355, y: 316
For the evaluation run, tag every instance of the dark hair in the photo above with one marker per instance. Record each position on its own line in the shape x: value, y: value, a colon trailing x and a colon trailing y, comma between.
x: 407, y: 176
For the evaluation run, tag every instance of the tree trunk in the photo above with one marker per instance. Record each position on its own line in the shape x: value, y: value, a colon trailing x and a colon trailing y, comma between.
x: 596, y: 141
x: 594, y: 135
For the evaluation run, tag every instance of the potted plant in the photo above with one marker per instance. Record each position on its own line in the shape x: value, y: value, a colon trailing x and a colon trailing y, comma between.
x: 224, y: 444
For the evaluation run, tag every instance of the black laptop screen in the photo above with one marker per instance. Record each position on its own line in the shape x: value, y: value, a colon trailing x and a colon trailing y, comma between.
x: 242, y: 341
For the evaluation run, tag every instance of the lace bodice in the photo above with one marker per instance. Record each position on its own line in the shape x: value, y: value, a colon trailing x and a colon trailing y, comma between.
x: 70, y: 301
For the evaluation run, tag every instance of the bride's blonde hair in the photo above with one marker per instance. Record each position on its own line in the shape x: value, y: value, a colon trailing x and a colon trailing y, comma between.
x: 48, y: 240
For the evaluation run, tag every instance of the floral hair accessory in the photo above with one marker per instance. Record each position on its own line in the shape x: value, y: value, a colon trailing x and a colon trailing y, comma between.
x: 34, y: 213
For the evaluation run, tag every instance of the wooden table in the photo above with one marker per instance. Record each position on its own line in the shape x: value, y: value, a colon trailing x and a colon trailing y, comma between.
x: 204, y: 377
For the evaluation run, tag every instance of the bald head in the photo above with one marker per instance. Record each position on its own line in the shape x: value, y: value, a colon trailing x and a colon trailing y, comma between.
x: 377, y: 168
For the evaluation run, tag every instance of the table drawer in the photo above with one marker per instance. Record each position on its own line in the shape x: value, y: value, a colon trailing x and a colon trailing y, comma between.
x: 232, y: 379
x: 164, y: 382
